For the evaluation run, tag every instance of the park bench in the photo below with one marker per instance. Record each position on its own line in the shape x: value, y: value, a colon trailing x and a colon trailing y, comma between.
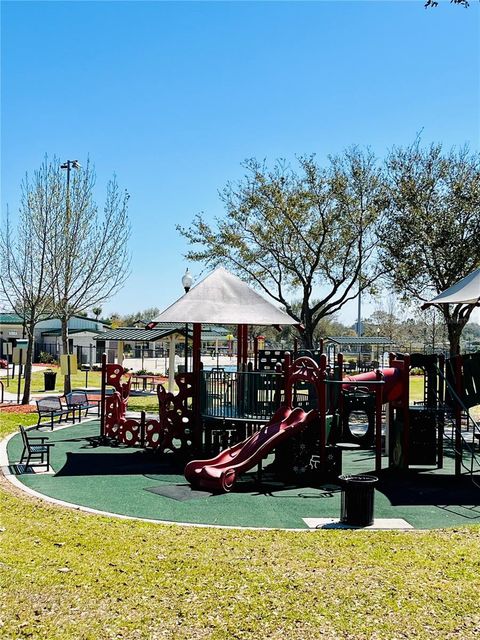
x: 79, y: 401
x: 52, y: 407
x: 33, y: 451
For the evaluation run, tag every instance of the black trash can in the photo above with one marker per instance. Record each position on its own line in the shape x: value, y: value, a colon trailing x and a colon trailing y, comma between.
x: 357, y: 500
x: 49, y: 378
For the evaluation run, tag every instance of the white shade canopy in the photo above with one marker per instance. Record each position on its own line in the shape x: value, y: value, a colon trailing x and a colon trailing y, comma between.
x: 222, y: 298
x: 465, y: 291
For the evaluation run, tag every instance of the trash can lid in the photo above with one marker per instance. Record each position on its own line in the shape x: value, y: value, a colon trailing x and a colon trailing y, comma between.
x: 359, y: 479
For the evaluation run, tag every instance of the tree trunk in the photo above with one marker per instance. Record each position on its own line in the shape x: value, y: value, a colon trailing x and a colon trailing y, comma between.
x: 67, y: 387
x: 307, y: 335
x: 455, y: 326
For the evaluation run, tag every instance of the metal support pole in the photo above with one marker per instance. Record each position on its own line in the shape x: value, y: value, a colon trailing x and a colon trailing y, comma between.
x: 103, y: 396
x: 458, y: 415
x: 186, y: 347
x: 322, y: 409
x: 378, y: 423
x: 196, y: 367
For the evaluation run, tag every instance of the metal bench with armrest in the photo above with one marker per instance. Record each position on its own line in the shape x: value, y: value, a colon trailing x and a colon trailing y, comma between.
x: 79, y: 401
x: 38, y: 450
x: 52, y: 407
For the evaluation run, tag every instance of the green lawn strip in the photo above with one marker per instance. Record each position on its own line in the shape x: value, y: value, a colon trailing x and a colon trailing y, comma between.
x: 416, y: 388
x: 143, y: 403
x: 94, y: 379
x: 68, y: 575
x: 9, y: 421
x: 38, y: 383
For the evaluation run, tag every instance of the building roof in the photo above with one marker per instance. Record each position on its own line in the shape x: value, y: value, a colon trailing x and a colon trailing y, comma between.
x: 355, y: 340
x: 14, y: 318
x: 58, y: 332
x: 10, y: 318
x: 222, y: 297
x: 132, y: 334
x: 160, y: 332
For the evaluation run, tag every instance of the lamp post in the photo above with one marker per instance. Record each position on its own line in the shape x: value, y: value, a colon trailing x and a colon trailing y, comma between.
x: 68, y: 165
x: 187, y: 281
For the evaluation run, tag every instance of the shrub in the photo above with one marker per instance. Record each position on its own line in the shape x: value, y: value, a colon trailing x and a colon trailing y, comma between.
x: 46, y: 358
x: 3, y: 364
x: 417, y: 371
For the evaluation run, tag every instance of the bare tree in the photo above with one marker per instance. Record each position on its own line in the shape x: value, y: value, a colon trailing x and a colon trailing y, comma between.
x: 89, y: 252
x: 295, y: 234
x: 25, y: 267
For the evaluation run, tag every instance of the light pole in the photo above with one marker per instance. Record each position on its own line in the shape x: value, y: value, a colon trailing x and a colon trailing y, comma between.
x: 187, y: 281
x: 68, y: 165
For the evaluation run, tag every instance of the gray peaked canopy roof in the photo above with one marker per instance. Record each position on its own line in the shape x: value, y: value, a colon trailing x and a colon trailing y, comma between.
x: 222, y: 298
x: 465, y: 291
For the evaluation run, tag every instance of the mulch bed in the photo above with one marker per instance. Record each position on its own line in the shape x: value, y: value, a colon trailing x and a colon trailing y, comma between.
x: 17, y: 408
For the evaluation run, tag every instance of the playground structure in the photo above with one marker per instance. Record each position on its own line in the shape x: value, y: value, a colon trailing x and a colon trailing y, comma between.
x: 230, y: 415
x: 231, y: 412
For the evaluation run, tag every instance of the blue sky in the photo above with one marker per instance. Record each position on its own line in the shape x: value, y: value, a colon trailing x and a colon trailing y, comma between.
x: 172, y: 97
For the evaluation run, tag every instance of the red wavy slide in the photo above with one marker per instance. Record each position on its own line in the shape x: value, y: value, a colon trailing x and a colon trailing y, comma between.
x: 220, y: 473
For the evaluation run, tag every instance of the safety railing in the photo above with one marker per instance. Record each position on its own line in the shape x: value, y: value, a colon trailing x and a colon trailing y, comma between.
x: 455, y: 435
x: 243, y: 394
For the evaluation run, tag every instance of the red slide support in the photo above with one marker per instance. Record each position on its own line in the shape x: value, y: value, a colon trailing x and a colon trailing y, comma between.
x: 220, y: 473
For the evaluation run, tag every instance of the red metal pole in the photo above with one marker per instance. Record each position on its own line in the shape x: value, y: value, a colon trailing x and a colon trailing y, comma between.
x: 286, y: 372
x: 378, y: 422
x: 322, y: 409
x: 103, y: 394
x: 405, y: 408
x: 255, y: 353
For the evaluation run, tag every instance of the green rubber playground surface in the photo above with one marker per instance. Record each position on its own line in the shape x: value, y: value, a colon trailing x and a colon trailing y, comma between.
x: 143, y: 484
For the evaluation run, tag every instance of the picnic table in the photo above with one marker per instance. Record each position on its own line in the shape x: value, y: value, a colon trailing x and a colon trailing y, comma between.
x: 142, y: 381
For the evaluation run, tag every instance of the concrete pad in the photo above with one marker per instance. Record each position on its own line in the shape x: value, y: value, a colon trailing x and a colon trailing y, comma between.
x: 380, y: 523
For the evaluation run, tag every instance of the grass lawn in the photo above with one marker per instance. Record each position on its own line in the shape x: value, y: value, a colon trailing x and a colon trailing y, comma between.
x: 68, y: 575
x: 78, y: 380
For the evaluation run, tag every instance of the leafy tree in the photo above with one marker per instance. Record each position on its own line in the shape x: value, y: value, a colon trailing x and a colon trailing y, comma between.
x: 26, y: 278
x: 97, y: 312
x: 138, y: 318
x: 294, y: 233
x: 431, y: 232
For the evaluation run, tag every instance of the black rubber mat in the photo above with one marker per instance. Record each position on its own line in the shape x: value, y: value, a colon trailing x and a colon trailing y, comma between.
x: 180, y: 492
